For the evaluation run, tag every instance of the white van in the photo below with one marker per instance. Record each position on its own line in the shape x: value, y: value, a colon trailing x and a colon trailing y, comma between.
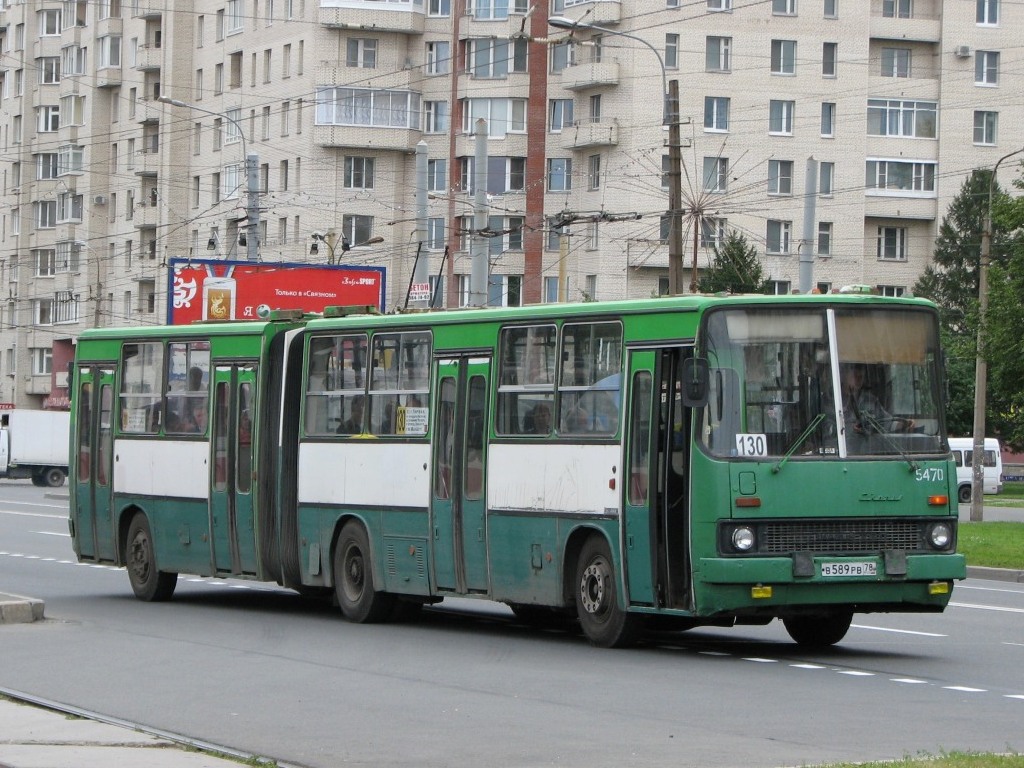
x: 963, y: 457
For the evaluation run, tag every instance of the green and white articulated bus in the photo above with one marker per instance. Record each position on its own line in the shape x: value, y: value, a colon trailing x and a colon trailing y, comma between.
x: 662, y: 463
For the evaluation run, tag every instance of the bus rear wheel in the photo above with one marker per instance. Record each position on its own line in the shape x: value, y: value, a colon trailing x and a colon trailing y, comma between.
x: 819, y: 630
x: 602, y: 620
x: 148, y: 582
x: 353, y: 578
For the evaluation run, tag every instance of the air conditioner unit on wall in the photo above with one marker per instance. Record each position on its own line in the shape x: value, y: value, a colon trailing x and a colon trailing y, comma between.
x: 100, y: 200
x: 962, y: 51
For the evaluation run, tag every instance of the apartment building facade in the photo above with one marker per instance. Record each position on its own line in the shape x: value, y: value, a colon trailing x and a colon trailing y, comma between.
x: 126, y: 126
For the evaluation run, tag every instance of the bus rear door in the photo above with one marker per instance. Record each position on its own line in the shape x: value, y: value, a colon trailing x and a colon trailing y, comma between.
x: 458, y: 496
x: 94, y: 527
x: 231, y: 500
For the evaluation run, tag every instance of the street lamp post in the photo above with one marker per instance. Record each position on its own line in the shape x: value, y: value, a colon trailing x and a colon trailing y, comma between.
x: 669, y: 117
x: 331, y: 241
x: 980, y: 364
x: 251, y: 166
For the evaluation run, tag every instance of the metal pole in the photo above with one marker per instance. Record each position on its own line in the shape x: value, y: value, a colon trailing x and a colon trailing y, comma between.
x: 675, y: 196
x: 421, y: 269
x: 807, y: 247
x: 478, y: 243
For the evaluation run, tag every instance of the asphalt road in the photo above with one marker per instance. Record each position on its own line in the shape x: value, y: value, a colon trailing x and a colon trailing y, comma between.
x: 261, y: 670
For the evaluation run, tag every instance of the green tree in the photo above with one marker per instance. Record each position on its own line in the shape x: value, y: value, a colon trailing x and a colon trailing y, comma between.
x: 951, y: 281
x: 735, y: 269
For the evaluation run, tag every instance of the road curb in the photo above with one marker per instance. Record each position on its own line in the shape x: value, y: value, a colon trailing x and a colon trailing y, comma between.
x: 15, y: 609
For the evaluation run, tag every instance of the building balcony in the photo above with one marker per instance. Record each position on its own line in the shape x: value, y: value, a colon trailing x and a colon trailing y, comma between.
x: 148, y: 9
x: 108, y: 77
x: 373, y: 16
x: 148, y: 58
x: 514, y: 86
x: 591, y: 74
x: 508, y: 27
x: 147, y: 111
x: 923, y: 88
x: 366, y: 137
x: 147, y: 163
x: 511, y: 145
x: 591, y: 133
x: 894, y: 207
x: 405, y: 79
x: 601, y: 12
x: 926, y: 26
x: 146, y: 216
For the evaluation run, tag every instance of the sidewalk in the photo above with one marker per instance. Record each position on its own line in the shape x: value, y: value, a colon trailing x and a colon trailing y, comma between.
x: 32, y: 737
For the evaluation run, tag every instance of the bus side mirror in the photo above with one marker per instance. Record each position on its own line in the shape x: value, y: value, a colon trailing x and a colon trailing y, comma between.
x: 695, y: 382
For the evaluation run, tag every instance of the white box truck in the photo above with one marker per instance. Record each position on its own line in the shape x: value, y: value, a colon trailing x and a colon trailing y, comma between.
x: 35, y: 444
x: 992, y: 466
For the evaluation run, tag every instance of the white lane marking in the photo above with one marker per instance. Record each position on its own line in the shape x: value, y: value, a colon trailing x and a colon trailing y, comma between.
x: 964, y: 689
x: 1014, y: 696
x: 908, y: 680
x: 808, y: 666
x: 899, y: 631
x: 758, y: 660
x: 32, y: 514
x: 856, y: 673
x: 714, y: 653
x: 1001, y: 608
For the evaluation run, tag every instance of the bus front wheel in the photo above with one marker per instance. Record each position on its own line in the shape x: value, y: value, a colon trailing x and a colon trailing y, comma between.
x: 353, y: 578
x: 602, y: 620
x: 964, y: 494
x: 148, y: 582
x: 820, y: 630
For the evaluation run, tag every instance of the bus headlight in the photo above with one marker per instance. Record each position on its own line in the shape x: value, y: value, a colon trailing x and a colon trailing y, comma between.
x: 743, y: 538
x: 940, y: 536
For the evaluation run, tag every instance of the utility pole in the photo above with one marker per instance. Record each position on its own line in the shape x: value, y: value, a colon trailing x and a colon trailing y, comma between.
x: 675, y: 197
x: 807, y: 246
x: 478, y: 243
x: 421, y: 270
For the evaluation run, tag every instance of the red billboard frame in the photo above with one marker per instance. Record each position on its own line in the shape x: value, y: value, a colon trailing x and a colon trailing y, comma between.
x: 207, y: 289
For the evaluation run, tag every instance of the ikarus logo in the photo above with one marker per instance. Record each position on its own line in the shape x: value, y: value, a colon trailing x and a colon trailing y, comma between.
x: 880, y: 497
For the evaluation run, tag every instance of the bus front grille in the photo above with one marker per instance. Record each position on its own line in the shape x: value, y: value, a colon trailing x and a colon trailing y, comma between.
x: 842, y: 536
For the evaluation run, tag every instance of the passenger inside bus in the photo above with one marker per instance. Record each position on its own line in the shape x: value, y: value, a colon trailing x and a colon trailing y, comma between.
x: 353, y: 425
x: 541, y: 419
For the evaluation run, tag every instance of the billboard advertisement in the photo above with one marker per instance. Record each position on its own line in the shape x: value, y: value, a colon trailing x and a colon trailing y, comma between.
x: 201, y: 289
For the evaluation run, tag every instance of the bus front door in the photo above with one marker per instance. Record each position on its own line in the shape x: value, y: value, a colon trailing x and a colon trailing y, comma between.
x: 656, y: 500
x: 232, y: 520
x: 458, y: 497
x: 94, y: 526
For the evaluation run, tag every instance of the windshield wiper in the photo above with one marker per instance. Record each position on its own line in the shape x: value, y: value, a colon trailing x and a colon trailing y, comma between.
x: 799, y: 441
x: 876, y: 425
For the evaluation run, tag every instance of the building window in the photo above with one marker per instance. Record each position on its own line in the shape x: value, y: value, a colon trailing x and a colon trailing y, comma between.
x: 716, y: 113
x: 49, y: 23
x: 494, y: 58
x: 985, y: 127
x: 716, y: 174
x: 783, y: 57
x: 828, y: 119
x: 358, y: 173
x: 48, y: 119
x: 896, y: 117
x: 891, y: 290
x: 69, y: 207
x: 435, y: 233
x: 356, y: 229
x: 42, y: 361
x: 895, y: 62
x: 826, y: 178
x: 784, y: 7
x: 778, y: 236
x: 829, y: 59
x: 560, y: 115
x: 718, y: 54
x: 779, y: 287
x: 897, y: 9
x: 439, y: 7
x: 110, y: 51
x: 45, y: 214
x: 780, y: 177
x: 435, y: 117
x: 362, y: 52
x: 42, y: 311
x: 368, y: 107
x: 831, y: 9
x: 988, y: 12
x: 671, y: 51
x: 900, y: 176
x: 49, y: 69
x: 594, y: 172
x: 233, y: 17
x: 559, y: 174
x: 824, y: 238
x: 46, y: 165
x: 45, y: 260
x: 719, y: 5
x: 892, y: 243
x: 503, y: 116
x: 780, y: 117
x: 560, y: 56
x: 986, y: 68
x: 439, y: 58
x: 713, y: 232
x: 437, y: 175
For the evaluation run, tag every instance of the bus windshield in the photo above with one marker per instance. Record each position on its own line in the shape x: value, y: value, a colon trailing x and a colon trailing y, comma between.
x: 819, y: 382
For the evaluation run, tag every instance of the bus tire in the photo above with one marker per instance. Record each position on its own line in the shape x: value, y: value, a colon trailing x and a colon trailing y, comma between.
x: 964, y: 494
x: 148, y: 582
x: 353, y: 578
x: 54, y: 477
x: 602, y: 620
x: 818, y: 630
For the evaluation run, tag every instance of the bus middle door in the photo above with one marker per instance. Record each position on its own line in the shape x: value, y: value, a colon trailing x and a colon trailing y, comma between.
x: 458, y: 495
x: 232, y: 456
